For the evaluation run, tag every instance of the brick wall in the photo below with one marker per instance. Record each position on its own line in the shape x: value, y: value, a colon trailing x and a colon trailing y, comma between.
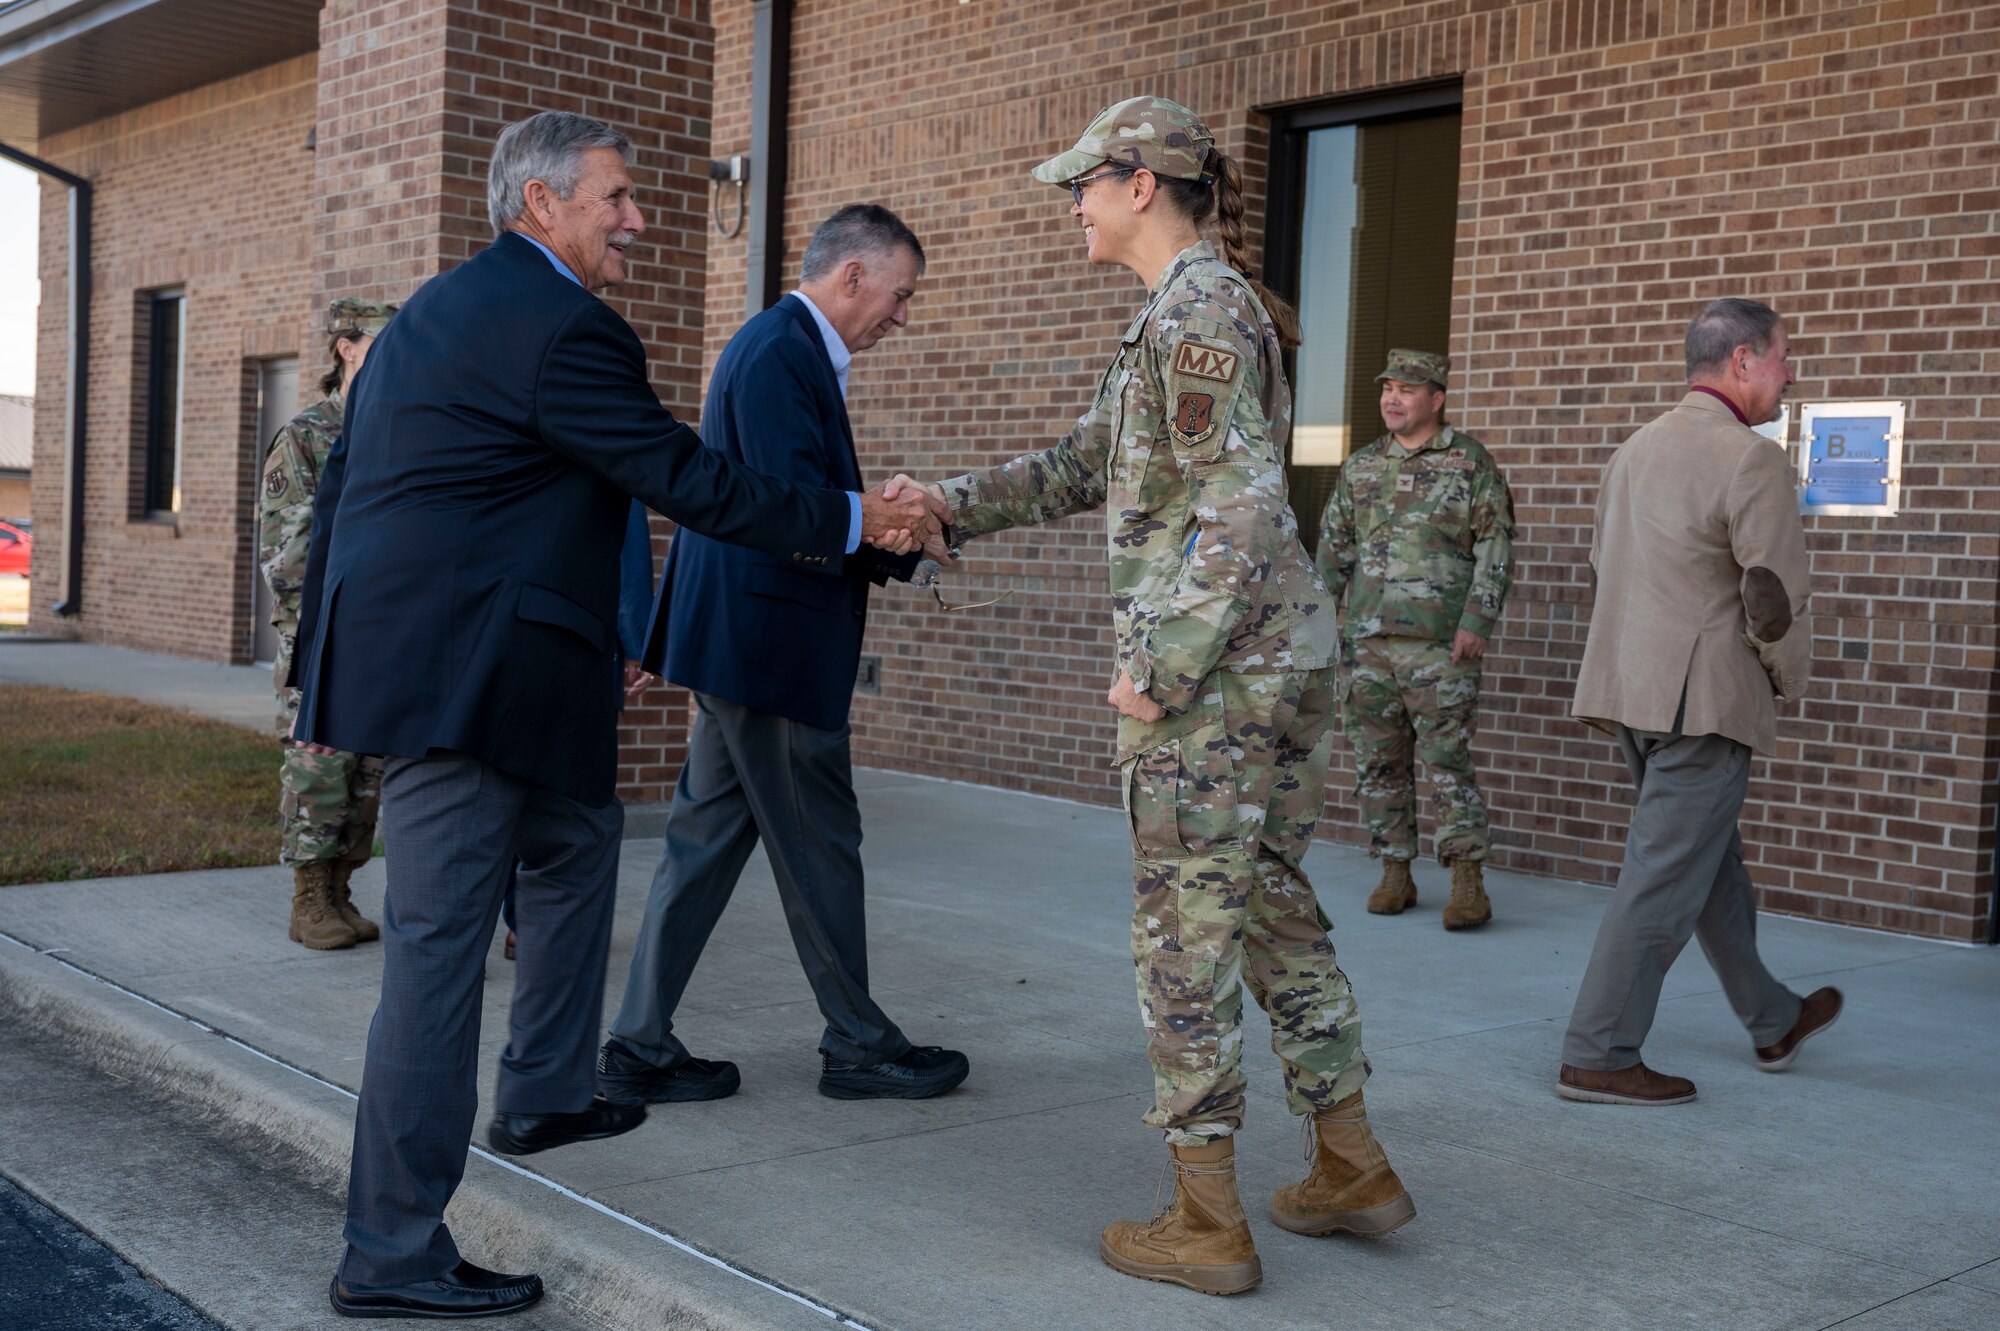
x: 1622, y: 163
x: 199, y: 191
x: 413, y: 95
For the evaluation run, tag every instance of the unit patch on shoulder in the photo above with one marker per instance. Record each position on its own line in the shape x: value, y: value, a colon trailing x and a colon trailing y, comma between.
x: 1194, y: 417
x: 1203, y: 362
x: 274, y: 482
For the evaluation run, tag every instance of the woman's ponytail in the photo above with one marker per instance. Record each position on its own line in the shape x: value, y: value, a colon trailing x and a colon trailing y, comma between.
x: 1229, y: 227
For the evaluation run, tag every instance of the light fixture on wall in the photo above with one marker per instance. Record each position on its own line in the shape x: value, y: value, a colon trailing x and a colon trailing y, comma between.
x: 732, y: 171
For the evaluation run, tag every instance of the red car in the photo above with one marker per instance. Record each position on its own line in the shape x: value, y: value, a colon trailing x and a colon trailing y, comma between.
x: 16, y: 543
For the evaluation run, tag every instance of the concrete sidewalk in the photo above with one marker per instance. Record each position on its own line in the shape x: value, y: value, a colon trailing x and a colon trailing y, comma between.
x: 1854, y: 1190
x: 240, y: 695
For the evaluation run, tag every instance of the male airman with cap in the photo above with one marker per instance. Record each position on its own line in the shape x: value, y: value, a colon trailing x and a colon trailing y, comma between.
x: 1418, y: 537
x: 329, y: 800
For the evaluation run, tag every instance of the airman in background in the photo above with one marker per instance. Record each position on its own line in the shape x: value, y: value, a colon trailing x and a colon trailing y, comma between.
x: 329, y: 800
x: 1419, y: 540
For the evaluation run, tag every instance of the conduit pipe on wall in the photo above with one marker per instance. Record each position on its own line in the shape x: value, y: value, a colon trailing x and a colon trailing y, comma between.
x: 770, y: 100
x: 1993, y: 905
x: 71, y: 599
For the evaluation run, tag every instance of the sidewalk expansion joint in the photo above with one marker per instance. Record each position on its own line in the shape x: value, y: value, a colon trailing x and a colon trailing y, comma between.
x: 885, y: 1137
x: 834, y: 1315
x: 1582, y: 1181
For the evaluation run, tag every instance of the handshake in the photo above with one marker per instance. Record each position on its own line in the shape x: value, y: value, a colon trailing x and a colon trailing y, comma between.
x: 907, y: 516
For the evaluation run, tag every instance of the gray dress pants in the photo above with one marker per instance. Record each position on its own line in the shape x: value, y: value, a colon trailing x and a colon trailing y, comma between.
x: 454, y: 828
x: 750, y: 774
x: 1683, y: 874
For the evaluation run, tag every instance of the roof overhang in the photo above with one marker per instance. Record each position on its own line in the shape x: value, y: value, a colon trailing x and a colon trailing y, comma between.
x: 65, y: 63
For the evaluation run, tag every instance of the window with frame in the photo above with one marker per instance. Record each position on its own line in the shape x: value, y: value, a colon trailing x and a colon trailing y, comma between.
x: 1363, y: 219
x: 166, y: 368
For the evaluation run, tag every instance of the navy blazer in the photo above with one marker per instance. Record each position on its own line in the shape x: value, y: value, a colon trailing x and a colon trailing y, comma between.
x: 746, y: 626
x: 462, y: 585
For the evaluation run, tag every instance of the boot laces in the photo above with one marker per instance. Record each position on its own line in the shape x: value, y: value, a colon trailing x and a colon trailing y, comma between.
x: 1177, y: 1166
x: 1310, y: 1135
x: 1464, y: 887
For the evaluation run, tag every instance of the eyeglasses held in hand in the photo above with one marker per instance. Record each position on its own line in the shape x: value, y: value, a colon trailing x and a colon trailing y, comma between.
x: 971, y: 605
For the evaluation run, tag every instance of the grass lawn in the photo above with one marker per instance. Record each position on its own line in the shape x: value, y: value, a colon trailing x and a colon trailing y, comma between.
x: 93, y: 786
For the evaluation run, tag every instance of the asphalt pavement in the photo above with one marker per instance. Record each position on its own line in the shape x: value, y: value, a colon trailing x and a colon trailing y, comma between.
x: 55, y: 1277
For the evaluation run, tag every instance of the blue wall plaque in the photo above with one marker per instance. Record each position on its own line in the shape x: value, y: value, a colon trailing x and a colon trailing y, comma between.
x: 1850, y: 457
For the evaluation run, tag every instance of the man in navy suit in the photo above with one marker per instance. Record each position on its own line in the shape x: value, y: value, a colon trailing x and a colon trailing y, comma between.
x: 769, y: 648
x: 458, y: 618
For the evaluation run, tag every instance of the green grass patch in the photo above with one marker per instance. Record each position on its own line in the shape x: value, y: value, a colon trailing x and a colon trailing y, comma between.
x: 93, y: 786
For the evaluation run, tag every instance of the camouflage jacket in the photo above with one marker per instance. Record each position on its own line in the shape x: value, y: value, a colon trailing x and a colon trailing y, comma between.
x: 1185, y: 441
x: 284, y: 513
x: 1421, y: 543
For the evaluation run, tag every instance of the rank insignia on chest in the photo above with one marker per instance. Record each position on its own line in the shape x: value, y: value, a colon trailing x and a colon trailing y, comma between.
x: 1194, y: 417
x: 1405, y: 483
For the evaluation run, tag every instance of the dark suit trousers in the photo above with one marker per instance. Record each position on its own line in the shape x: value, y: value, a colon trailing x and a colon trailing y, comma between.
x: 1683, y: 874
x: 455, y: 828
x: 750, y: 773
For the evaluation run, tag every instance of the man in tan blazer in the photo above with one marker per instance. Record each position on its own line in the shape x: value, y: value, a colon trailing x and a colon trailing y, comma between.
x: 1699, y: 626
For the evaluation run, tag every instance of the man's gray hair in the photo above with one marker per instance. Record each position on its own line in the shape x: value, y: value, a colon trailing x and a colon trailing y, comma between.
x: 548, y: 147
x: 1725, y: 325
x: 860, y: 230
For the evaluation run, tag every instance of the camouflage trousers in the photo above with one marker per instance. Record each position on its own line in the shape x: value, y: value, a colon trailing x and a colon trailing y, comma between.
x: 1403, y: 699
x: 328, y: 802
x: 1222, y: 802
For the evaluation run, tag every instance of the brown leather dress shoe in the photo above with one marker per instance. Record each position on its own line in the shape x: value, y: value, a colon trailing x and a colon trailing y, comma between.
x: 1636, y: 1085
x: 1816, y: 1013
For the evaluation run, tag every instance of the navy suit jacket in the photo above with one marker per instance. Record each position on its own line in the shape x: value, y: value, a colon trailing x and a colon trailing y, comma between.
x: 462, y: 585
x: 755, y: 628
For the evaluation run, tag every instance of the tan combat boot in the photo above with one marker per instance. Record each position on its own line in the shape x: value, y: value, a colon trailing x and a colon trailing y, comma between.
x: 1351, y: 1185
x: 1397, y: 891
x: 315, y: 921
x: 1202, y: 1240
x: 365, y: 929
x: 1468, y: 907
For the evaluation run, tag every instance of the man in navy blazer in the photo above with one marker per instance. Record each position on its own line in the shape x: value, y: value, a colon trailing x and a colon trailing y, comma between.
x: 769, y: 646
x: 458, y: 618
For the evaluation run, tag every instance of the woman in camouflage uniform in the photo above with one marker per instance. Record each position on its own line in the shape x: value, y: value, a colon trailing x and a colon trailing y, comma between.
x: 1225, y: 642
x: 328, y: 801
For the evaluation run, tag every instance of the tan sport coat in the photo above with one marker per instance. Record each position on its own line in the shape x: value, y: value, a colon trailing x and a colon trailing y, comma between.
x: 1701, y: 581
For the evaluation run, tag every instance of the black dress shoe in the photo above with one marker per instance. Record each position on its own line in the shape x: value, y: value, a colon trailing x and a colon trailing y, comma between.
x: 624, y: 1076
x: 524, y: 1134
x: 467, y: 1291
x: 924, y: 1071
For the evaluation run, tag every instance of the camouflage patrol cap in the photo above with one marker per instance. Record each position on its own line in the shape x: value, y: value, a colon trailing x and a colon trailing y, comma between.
x: 351, y: 316
x: 1164, y: 137
x: 1416, y: 367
